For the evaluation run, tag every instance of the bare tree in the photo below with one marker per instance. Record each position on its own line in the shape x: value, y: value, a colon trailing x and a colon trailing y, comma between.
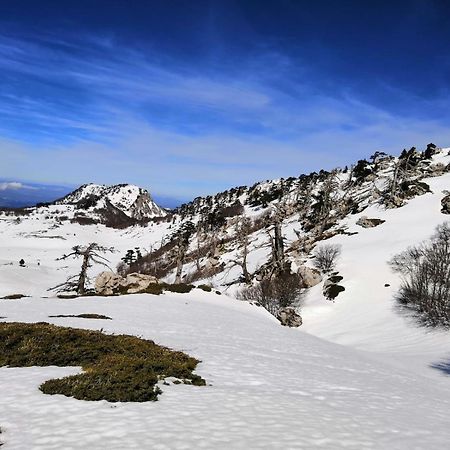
x: 242, y: 230
x: 403, y: 172
x: 425, y: 272
x: 323, y: 204
x: 326, y: 257
x: 182, y: 237
x: 276, y: 238
x: 279, y: 292
x: 303, y: 197
x: 90, y: 254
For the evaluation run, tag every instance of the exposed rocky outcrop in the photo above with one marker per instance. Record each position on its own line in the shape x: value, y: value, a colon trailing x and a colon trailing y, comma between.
x: 289, y: 317
x: 310, y: 276
x: 366, y: 222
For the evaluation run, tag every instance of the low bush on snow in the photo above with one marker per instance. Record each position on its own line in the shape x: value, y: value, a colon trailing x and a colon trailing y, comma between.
x: 84, y: 316
x: 116, y: 368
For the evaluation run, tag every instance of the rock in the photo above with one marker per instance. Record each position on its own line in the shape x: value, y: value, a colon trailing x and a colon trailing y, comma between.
x: 137, y: 282
x: 415, y: 188
x: 212, y: 262
x: 437, y: 169
x: 107, y: 283
x: 289, y: 317
x: 310, y: 277
x: 445, y: 202
x: 394, y: 202
x: 365, y: 222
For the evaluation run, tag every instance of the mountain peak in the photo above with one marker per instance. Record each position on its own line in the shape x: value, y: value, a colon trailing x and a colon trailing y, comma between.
x: 133, y: 201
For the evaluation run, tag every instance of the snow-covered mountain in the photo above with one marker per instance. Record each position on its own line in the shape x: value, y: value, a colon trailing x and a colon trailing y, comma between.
x: 133, y: 201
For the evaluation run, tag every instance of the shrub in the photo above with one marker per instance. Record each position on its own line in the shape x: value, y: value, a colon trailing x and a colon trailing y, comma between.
x: 425, y: 272
x: 326, y: 257
x: 82, y: 220
x: 275, y: 293
x: 333, y: 290
x: 203, y: 273
x: 116, y: 367
x: 180, y: 288
x: 154, y: 288
x: 205, y: 287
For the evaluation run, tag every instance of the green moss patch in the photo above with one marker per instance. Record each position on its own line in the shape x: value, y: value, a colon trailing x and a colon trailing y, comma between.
x: 117, y: 368
x: 84, y: 316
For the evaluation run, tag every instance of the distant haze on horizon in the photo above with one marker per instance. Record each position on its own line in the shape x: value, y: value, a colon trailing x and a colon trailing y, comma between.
x: 191, y: 98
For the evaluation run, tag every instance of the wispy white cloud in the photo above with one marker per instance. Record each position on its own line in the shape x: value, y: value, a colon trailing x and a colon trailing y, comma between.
x: 93, y: 110
x: 14, y: 186
x: 184, y: 166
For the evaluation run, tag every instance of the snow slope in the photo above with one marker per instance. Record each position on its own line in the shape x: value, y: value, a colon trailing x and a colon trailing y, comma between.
x: 364, y: 316
x: 356, y: 375
x: 269, y: 386
x: 40, y: 241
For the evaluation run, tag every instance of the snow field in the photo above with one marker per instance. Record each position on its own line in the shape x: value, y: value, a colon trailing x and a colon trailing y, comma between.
x: 270, y: 387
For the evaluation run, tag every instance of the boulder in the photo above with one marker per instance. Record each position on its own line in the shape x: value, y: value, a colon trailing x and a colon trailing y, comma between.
x: 310, y: 277
x: 107, y: 283
x: 289, y: 317
x: 445, y: 202
x: 137, y: 282
x: 365, y: 222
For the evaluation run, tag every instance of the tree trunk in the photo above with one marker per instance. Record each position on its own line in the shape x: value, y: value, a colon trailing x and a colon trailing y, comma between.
x: 278, y: 246
x: 81, y: 288
x: 180, y: 260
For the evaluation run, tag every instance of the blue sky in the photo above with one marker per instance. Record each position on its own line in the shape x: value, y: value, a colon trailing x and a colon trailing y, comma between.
x: 189, y: 98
